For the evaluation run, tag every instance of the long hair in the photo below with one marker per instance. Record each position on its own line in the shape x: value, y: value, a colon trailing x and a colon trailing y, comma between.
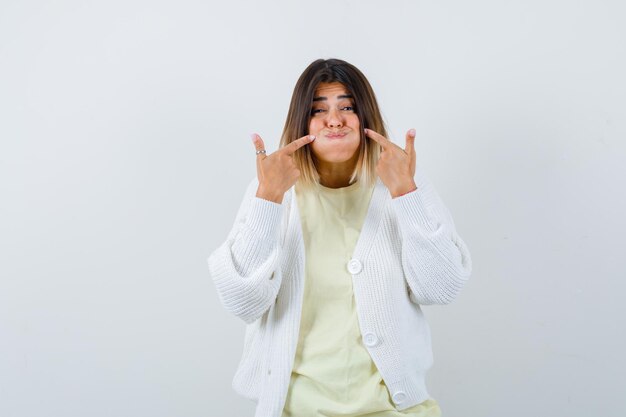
x: 366, y: 107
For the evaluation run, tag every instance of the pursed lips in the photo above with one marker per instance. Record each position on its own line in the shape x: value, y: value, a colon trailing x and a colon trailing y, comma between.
x: 335, y: 135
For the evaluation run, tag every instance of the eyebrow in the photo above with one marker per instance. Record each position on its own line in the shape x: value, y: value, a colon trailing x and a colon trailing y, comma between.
x: 321, y: 98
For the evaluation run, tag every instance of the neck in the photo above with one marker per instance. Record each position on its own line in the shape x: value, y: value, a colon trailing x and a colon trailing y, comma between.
x: 336, y: 174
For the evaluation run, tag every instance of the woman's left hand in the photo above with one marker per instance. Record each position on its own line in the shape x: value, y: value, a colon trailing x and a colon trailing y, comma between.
x: 396, y: 166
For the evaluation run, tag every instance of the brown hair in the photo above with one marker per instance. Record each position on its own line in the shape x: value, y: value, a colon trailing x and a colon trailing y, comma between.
x: 365, y: 106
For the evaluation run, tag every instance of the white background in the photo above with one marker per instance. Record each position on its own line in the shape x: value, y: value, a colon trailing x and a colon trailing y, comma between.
x: 125, y: 150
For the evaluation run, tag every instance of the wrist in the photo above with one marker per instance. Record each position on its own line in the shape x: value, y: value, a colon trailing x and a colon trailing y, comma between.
x: 270, y: 195
x: 399, y: 192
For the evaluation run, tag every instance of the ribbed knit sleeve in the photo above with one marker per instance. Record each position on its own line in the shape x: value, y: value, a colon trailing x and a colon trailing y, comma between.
x: 435, y: 259
x: 245, y: 268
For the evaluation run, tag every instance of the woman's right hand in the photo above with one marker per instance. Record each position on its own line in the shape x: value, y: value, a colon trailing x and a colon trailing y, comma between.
x: 277, y: 172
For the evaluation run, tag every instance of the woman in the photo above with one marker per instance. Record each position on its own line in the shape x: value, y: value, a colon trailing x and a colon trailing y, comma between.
x: 337, y: 243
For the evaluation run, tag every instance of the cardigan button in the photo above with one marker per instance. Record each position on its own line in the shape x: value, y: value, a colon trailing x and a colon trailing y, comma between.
x: 370, y: 339
x: 399, y: 397
x: 354, y: 266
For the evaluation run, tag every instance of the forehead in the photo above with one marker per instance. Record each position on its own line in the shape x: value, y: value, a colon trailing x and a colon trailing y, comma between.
x: 330, y: 89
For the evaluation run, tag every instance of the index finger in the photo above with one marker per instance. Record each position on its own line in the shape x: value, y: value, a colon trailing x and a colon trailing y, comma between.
x: 377, y: 137
x: 291, y: 148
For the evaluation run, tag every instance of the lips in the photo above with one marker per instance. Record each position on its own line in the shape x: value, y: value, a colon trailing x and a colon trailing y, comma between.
x: 336, y: 135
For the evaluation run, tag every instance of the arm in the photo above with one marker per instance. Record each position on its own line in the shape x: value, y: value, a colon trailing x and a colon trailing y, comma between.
x: 245, y: 268
x: 436, y: 262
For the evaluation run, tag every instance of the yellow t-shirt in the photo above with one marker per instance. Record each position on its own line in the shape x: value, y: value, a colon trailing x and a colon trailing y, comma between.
x: 333, y: 373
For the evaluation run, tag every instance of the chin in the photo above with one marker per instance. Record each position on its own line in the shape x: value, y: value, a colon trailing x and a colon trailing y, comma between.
x: 335, y: 155
x: 335, y: 158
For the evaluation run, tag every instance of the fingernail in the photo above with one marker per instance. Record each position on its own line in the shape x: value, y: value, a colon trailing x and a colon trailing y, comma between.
x: 253, y: 136
x: 312, y: 137
x: 412, y: 132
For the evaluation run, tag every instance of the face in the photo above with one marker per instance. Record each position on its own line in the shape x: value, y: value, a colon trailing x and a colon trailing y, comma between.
x: 334, y: 123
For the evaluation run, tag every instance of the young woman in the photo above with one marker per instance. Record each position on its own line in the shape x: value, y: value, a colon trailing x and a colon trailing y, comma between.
x: 338, y: 242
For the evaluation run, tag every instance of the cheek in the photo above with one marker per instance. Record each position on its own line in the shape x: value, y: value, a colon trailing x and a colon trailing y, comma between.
x: 314, y: 126
x: 354, y: 122
x: 316, y: 150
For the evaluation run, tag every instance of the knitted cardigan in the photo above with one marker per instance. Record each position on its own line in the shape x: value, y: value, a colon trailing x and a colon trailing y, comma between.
x: 408, y: 254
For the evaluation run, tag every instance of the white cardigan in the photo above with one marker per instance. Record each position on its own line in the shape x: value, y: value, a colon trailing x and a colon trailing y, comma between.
x: 408, y: 253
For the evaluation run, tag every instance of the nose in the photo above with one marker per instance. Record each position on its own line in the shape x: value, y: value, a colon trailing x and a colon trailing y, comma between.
x: 334, y: 118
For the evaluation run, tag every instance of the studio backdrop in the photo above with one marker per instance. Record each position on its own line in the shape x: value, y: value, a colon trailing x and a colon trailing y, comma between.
x: 125, y: 152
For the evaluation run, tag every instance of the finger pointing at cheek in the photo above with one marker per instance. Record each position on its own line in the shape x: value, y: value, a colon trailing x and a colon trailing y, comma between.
x: 378, y: 138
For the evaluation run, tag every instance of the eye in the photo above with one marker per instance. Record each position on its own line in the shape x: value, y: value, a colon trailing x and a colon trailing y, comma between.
x: 316, y: 111
x: 349, y: 107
